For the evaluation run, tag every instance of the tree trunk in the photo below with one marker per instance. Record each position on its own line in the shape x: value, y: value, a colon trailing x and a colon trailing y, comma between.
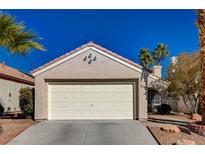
x: 201, y: 27
x: 185, y: 103
x: 159, y: 61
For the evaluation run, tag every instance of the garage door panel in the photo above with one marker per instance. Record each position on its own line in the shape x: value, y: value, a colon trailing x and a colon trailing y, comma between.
x: 127, y: 114
x: 85, y: 105
x: 94, y: 101
x: 109, y: 114
x: 86, y: 114
x: 76, y: 114
x: 96, y: 114
x: 76, y: 105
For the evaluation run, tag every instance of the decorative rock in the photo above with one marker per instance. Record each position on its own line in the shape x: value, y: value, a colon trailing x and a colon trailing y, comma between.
x: 196, y: 117
x: 197, y: 128
x: 185, y: 142
x: 170, y: 128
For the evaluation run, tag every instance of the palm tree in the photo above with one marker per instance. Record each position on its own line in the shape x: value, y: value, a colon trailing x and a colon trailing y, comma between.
x: 159, y: 53
x: 201, y: 26
x: 15, y: 38
x: 145, y: 57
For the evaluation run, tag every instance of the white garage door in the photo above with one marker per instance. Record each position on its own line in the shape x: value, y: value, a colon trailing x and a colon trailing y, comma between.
x: 90, y: 101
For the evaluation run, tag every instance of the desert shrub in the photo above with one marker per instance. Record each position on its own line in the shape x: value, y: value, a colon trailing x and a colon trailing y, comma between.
x: 26, y: 101
x: 164, y: 109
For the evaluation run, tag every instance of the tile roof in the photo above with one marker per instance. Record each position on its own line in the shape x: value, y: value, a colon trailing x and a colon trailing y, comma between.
x: 90, y: 44
x: 13, y: 73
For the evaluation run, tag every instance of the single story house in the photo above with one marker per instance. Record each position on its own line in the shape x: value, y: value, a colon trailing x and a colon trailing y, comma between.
x: 92, y: 82
x: 11, y: 81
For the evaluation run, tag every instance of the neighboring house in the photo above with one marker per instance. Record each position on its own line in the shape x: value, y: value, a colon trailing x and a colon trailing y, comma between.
x: 11, y: 81
x: 92, y: 82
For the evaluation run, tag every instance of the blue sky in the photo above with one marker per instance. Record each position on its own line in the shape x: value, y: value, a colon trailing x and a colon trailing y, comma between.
x: 121, y: 31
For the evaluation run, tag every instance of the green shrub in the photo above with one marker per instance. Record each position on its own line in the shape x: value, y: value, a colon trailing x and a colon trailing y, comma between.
x: 26, y: 101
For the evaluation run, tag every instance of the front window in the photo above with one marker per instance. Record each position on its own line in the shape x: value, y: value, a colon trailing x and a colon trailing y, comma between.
x: 153, y: 99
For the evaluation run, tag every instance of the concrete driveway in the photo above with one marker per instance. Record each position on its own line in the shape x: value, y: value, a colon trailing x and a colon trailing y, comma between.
x: 112, y: 132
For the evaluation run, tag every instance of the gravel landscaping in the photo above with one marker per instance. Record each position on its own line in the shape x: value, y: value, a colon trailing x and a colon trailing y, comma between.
x: 155, y: 124
x: 169, y: 138
x: 12, y: 127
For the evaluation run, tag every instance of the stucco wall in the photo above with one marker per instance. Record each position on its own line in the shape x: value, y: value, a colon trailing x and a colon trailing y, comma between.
x: 13, y: 88
x: 76, y: 68
x: 181, y: 107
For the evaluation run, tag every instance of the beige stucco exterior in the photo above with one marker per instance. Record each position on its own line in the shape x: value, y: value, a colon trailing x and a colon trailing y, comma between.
x: 9, y: 94
x: 103, y: 69
x: 180, y: 106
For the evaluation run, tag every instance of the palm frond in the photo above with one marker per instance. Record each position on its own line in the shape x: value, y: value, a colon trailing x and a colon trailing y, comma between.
x: 145, y: 57
x: 160, y: 52
x: 15, y: 37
